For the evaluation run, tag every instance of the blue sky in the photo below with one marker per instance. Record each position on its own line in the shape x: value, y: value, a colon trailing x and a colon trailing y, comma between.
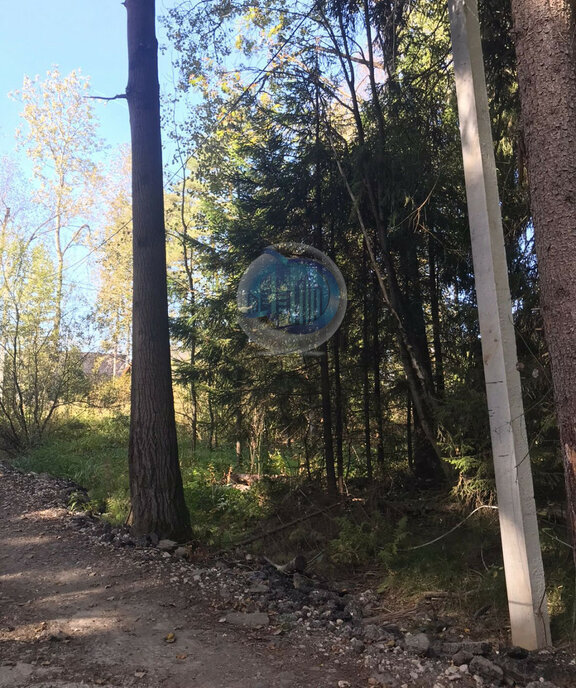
x: 74, y: 34
x: 89, y: 35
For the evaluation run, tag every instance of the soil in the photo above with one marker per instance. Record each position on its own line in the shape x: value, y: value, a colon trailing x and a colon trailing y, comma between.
x: 79, y: 607
x: 74, y: 612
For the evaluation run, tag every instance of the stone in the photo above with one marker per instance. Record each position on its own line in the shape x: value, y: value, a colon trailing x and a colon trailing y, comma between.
x: 473, y: 647
x: 248, y: 619
x: 485, y: 669
x: 520, y: 670
x: 541, y: 684
x: 58, y: 636
x: 357, y: 645
x: 181, y: 552
x: 372, y: 633
x: 419, y: 643
x: 353, y: 611
x: 477, y: 647
x: 167, y: 545
x: 301, y: 583
x: 517, y: 653
x: 384, y: 680
x: 462, y: 657
x: 318, y: 596
x: 453, y: 673
x: 393, y: 629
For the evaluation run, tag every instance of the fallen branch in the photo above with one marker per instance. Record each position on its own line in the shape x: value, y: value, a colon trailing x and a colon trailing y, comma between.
x: 383, y: 618
x: 284, y: 526
x: 296, y: 565
x: 437, y: 594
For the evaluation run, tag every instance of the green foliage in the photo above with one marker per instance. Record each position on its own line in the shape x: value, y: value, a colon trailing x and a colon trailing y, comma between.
x: 356, y: 544
x: 113, y: 248
x: 374, y: 540
x: 560, y: 580
x: 467, y: 564
x: 475, y: 482
x: 389, y: 551
x: 37, y: 373
x: 220, y: 514
x: 112, y: 394
x: 79, y: 502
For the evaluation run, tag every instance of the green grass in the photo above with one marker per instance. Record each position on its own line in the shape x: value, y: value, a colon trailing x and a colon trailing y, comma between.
x: 467, y: 564
x: 93, y: 452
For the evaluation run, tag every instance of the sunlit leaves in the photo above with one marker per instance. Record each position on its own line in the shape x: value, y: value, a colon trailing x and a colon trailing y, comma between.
x: 60, y: 138
x: 113, y: 251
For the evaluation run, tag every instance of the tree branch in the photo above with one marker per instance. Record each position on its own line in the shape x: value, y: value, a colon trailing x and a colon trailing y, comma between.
x: 120, y: 95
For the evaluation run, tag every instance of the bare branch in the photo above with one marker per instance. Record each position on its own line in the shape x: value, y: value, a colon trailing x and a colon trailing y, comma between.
x: 119, y: 96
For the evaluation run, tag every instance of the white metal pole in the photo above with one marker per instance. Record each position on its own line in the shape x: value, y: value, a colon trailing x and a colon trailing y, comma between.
x: 518, y: 524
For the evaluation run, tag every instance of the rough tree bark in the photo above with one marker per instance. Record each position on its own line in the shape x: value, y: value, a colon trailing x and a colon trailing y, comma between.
x: 544, y: 39
x: 158, y: 504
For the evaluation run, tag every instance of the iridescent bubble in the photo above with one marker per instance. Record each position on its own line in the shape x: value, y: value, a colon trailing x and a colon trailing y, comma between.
x: 291, y: 299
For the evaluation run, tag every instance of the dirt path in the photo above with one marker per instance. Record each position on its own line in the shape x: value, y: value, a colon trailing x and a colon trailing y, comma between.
x: 80, y: 606
x: 76, y: 613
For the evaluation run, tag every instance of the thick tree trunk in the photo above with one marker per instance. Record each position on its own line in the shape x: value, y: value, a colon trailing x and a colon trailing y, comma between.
x: 158, y: 504
x: 544, y: 37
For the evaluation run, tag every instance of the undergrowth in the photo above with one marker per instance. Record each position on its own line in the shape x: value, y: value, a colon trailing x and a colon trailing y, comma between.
x: 92, y: 453
x: 381, y: 542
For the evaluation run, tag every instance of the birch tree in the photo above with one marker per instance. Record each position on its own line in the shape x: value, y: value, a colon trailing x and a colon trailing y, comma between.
x: 37, y: 373
x: 60, y: 137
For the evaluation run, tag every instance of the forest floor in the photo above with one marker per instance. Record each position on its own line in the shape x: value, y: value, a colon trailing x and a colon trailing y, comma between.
x: 78, y: 609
